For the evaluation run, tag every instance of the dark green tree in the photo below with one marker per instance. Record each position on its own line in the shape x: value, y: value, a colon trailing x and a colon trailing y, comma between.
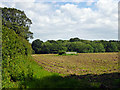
x: 36, y: 45
x: 118, y: 45
x: 79, y: 47
x: 98, y: 47
x: 51, y: 41
x: 112, y: 47
x: 74, y: 39
x: 18, y: 21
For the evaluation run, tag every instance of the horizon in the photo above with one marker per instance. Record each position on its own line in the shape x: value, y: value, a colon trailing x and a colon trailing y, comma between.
x: 79, y: 38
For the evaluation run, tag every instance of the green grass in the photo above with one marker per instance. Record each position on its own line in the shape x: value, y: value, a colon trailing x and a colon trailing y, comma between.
x: 38, y: 74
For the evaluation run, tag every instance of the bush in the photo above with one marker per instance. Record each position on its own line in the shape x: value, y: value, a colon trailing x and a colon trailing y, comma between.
x: 61, y: 52
x: 15, y: 61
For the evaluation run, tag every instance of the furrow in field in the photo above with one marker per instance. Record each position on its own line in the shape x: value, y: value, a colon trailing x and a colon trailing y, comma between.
x: 87, y: 63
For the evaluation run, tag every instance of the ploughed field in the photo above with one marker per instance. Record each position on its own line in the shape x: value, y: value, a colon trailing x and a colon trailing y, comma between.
x: 81, y: 64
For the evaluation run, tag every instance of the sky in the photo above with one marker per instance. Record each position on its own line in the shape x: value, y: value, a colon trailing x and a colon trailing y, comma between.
x: 65, y: 19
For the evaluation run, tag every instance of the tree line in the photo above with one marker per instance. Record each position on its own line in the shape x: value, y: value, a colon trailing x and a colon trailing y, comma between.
x: 76, y: 45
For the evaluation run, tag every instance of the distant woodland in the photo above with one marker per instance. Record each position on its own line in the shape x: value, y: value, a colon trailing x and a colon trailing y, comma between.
x: 76, y: 45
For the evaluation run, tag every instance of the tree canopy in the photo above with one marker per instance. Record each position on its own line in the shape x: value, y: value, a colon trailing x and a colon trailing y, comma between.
x: 15, y: 47
x: 18, y: 21
x: 77, y: 45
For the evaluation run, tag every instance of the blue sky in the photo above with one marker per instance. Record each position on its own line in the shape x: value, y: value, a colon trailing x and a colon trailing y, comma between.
x: 64, y: 20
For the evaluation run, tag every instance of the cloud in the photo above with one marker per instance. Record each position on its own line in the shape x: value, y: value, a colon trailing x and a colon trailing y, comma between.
x: 63, y: 21
x: 17, y: 1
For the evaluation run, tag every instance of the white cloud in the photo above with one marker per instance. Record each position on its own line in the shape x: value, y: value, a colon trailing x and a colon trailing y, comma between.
x: 68, y: 20
x: 2, y: 5
x: 17, y: 0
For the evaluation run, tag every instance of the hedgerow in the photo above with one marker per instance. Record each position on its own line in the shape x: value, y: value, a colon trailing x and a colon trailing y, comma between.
x: 15, y: 62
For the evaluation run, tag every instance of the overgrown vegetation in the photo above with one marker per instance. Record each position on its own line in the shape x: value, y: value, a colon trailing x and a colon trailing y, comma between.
x: 15, y: 62
x: 75, y: 45
x: 16, y: 50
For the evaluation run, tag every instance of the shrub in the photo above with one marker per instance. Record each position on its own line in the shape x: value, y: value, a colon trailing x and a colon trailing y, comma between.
x: 15, y: 61
x: 61, y: 52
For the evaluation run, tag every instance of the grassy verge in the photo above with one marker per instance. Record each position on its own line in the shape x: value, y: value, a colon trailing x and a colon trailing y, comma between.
x: 37, y: 73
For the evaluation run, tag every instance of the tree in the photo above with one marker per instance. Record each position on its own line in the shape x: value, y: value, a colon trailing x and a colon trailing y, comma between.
x: 112, y: 47
x: 51, y: 41
x: 79, y: 47
x: 82, y: 46
x: 88, y: 48
x: 74, y: 39
x: 118, y: 45
x: 98, y: 47
x: 60, y: 41
x: 46, y: 48
x: 18, y: 21
x: 36, y: 45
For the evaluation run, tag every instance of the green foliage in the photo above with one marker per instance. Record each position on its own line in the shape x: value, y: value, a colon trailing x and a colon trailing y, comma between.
x: 74, y: 39
x: 47, y: 47
x: 61, y: 52
x: 17, y: 20
x: 15, y: 47
x: 77, y: 45
x: 15, y: 61
x: 98, y: 47
x: 36, y: 45
x: 112, y: 47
